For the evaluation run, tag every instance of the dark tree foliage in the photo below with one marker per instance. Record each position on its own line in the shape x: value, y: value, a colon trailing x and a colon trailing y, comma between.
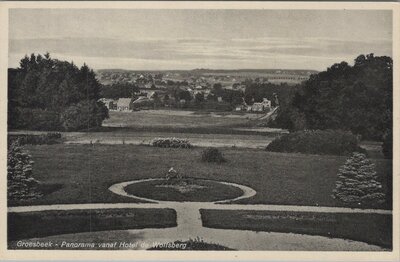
x: 356, y: 98
x: 233, y: 97
x: 199, y: 98
x: 118, y: 90
x: 255, y: 92
x: 321, y: 142
x: 211, y: 154
x: 387, y: 146
x: 179, y: 93
x: 43, y: 92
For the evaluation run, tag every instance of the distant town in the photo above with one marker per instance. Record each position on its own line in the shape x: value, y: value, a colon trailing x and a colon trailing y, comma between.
x: 182, y: 89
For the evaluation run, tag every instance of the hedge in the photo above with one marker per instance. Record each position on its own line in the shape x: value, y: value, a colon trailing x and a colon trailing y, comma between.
x: 30, y: 139
x: 171, y: 142
x: 324, y: 142
x: 212, y: 155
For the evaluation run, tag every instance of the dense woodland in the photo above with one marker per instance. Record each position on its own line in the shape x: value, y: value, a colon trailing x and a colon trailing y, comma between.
x: 357, y: 98
x: 118, y: 90
x: 48, y: 94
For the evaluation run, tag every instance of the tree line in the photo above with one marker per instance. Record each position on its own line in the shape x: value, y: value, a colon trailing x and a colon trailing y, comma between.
x: 356, y: 98
x: 49, y: 94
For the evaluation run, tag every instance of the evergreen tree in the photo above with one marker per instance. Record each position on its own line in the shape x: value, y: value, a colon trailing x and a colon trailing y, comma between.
x: 20, y: 182
x: 357, y: 182
x: 42, y: 91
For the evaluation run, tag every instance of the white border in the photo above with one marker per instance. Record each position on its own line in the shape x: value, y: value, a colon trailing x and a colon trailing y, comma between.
x: 197, y: 255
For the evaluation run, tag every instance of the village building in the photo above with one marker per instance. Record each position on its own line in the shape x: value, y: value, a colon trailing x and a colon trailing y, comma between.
x: 123, y: 104
x: 265, y: 105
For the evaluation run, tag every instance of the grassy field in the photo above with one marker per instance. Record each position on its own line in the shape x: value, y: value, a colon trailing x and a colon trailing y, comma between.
x: 85, y: 172
x: 144, y: 137
x: 370, y: 228
x: 172, y: 118
x: 47, y: 223
x: 182, y: 121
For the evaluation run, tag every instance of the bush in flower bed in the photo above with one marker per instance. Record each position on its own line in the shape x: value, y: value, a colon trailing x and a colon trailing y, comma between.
x: 357, y: 182
x: 40, y: 139
x: 324, y: 142
x: 20, y: 182
x: 171, y: 142
x: 212, y: 155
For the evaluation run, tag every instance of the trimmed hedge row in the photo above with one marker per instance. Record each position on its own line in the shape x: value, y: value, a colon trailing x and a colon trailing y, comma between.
x: 29, y: 139
x: 325, y: 142
x: 171, y: 142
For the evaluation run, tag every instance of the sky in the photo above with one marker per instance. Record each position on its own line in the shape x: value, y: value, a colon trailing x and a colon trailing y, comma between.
x: 189, y: 39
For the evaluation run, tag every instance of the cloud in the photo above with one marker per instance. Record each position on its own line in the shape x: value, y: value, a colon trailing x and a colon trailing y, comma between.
x: 188, y: 53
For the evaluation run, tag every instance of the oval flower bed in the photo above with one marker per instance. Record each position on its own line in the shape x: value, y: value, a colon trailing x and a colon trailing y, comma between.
x: 186, y: 189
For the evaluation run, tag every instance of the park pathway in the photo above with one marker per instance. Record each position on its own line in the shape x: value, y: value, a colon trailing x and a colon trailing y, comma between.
x: 189, y: 226
x: 189, y: 223
x: 198, y: 205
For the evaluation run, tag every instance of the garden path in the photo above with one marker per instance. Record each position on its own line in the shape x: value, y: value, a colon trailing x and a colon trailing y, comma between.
x: 189, y: 223
x: 189, y: 226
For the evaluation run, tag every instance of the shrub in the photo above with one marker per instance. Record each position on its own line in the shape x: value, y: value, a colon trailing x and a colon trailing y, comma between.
x: 357, y: 182
x: 43, y: 139
x: 84, y: 115
x: 325, y: 142
x: 387, y: 146
x: 212, y: 155
x: 20, y: 182
x: 171, y: 142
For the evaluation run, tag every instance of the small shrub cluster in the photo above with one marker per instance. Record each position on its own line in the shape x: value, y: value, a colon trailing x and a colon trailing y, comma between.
x: 357, y: 182
x: 20, y: 182
x: 212, y: 155
x: 173, y: 174
x: 171, y: 142
x: 29, y: 139
x: 325, y: 142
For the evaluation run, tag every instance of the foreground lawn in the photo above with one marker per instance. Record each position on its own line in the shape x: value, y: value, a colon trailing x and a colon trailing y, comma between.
x: 374, y: 229
x: 47, y: 223
x: 83, y: 173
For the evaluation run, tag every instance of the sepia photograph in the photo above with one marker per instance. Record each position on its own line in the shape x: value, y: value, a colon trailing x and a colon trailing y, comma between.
x: 199, y: 128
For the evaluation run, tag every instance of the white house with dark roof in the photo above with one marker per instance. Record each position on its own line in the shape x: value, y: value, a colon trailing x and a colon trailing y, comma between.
x: 123, y: 104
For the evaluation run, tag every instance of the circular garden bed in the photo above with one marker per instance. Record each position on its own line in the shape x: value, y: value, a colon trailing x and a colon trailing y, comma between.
x: 182, y: 190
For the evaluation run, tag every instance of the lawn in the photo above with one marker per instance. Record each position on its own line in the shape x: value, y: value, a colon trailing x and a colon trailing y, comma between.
x: 370, y: 228
x: 127, y: 136
x: 47, y: 223
x: 181, y: 121
x: 169, y: 118
x: 83, y: 173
